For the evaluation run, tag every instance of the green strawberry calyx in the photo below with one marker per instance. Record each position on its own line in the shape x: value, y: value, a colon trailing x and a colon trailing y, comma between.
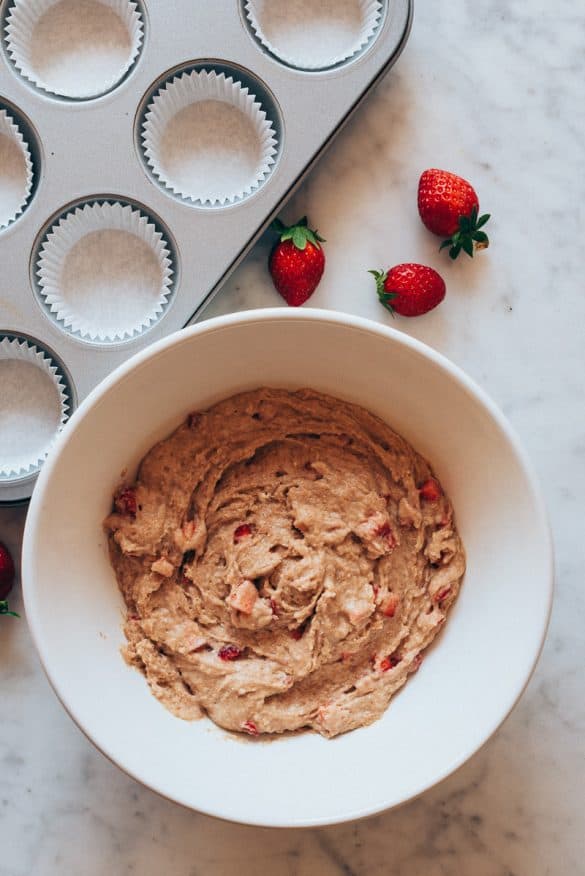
x: 385, y: 297
x: 299, y: 233
x: 5, y: 610
x: 469, y: 236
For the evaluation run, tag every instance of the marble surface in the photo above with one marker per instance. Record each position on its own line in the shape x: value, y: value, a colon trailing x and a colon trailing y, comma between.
x: 493, y: 90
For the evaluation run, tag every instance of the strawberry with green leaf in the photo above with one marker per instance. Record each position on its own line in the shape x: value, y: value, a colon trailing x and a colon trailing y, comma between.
x: 5, y: 610
x: 297, y: 261
x: 449, y: 207
x: 409, y: 289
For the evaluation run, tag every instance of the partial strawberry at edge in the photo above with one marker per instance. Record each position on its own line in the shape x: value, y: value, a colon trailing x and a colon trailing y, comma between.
x: 449, y: 207
x: 7, y: 571
x: 297, y: 261
x: 7, y: 575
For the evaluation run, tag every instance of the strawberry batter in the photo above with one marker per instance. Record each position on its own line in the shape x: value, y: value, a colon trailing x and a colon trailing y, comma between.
x: 285, y: 559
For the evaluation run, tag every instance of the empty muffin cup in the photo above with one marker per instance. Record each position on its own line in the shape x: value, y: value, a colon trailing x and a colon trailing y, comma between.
x: 77, y: 49
x: 313, y: 35
x: 105, y: 272
x: 207, y: 139
x: 34, y: 405
x: 16, y: 170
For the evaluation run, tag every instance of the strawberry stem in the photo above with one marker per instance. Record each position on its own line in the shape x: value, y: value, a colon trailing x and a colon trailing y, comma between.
x: 384, y: 296
x: 299, y: 233
x: 4, y: 609
x: 468, y: 237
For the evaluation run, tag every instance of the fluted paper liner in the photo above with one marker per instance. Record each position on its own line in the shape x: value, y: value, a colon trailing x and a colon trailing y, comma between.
x: 16, y: 170
x: 105, y: 272
x: 67, y: 48
x: 313, y: 35
x: 208, y: 139
x: 34, y: 406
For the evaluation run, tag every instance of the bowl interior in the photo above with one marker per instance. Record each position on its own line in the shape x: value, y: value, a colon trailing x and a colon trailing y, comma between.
x: 471, y: 677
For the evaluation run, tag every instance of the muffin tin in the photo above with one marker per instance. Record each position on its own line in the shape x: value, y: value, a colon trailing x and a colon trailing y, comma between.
x: 144, y: 147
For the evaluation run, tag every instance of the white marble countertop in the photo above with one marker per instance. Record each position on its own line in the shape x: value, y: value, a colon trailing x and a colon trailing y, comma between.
x: 493, y: 90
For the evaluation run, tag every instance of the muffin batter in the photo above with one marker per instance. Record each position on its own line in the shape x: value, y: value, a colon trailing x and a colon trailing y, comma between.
x: 285, y: 559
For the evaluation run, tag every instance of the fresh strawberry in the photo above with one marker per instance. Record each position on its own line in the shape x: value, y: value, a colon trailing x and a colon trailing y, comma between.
x: 297, y: 261
x: 449, y: 207
x: 6, y: 571
x: 250, y: 728
x: 409, y: 289
x: 430, y: 490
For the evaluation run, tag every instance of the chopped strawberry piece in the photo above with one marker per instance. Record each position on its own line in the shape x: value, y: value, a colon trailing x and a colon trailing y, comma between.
x: 384, y: 530
x: 125, y: 502
x: 133, y: 617
x: 274, y: 607
x: 242, y: 531
x: 250, y: 728
x: 300, y: 631
x: 390, y: 605
x: 389, y: 662
x: 194, y: 419
x: 377, y: 532
x: 430, y: 490
x: 375, y: 588
x: 230, y: 652
x: 442, y: 594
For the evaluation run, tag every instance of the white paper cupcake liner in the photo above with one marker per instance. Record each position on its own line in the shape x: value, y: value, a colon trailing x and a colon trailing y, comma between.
x: 16, y: 170
x: 74, y: 48
x: 34, y: 406
x: 314, y: 34
x: 105, y: 272
x: 208, y: 139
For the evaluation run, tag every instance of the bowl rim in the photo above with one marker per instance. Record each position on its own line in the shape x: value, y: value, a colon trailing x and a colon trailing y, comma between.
x: 272, y: 314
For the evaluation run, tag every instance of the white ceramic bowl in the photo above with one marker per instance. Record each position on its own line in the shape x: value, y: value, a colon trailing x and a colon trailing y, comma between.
x: 467, y: 685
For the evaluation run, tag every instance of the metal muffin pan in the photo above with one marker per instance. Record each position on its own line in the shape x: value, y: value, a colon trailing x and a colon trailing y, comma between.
x: 99, y: 199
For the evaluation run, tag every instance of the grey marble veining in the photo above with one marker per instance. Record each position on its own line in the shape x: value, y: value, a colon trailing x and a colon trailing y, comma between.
x: 493, y: 90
